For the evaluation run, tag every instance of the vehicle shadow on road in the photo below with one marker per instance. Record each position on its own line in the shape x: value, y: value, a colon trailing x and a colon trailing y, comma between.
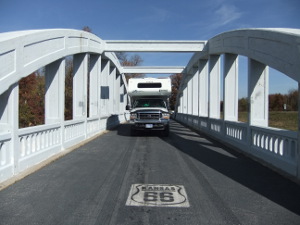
x: 124, y: 130
x: 235, y: 166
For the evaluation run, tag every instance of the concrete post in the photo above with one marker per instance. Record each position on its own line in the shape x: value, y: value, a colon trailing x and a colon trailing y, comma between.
x: 55, y: 92
x: 195, y: 92
x: 9, y: 123
x: 258, y: 93
x: 5, y: 112
x: 14, y: 121
x: 117, y: 94
x: 190, y: 96
x: 111, y: 84
x: 99, y: 83
x: 230, y: 87
x: 125, y: 97
x: 203, y: 88
x: 104, y: 89
x: 185, y: 99
x: 181, y: 102
x: 80, y: 86
x: 178, y: 105
x: 95, y: 69
x: 214, y: 86
x: 121, y: 106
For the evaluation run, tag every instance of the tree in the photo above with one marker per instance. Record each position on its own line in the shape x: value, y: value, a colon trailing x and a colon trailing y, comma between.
x: 69, y: 89
x: 292, y: 100
x: 134, y: 60
x: 87, y: 29
x: 280, y: 102
x: 175, y: 82
x: 32, y: 100
x: 243, y: 105
x: 276, y: 102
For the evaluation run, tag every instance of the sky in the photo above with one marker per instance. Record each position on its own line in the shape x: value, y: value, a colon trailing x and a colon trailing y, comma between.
x: 155, y: 20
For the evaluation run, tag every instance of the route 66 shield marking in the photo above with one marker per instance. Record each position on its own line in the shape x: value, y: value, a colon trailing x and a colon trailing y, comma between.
x: 157, y: 195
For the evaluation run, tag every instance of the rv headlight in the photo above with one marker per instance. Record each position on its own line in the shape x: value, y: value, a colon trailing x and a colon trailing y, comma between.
x: 133, y: 116
x: 166, y: 116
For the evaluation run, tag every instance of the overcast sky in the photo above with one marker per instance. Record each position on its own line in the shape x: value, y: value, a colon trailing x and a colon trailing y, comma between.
x: 152, y: 20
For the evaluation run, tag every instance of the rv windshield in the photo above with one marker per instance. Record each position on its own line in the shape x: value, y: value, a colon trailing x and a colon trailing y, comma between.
x: 149, y: 103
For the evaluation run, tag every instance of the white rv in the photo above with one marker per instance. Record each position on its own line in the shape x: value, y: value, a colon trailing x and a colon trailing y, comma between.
x: 149, y: 104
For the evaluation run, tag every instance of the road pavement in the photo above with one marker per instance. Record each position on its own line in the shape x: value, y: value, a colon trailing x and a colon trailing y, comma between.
x: 147, y: 179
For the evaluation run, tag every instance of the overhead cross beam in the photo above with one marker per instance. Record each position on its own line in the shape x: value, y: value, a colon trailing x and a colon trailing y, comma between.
x: 153, y: 69
x: 153, y: 46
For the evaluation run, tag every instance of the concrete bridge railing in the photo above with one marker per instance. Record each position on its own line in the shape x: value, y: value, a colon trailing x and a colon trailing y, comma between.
x: 199, y: 97
x: 22, y: 53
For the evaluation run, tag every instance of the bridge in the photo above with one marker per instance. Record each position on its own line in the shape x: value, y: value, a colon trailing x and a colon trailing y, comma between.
x: 198, y: 104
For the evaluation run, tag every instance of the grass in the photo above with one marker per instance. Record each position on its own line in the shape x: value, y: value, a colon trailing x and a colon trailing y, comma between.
x: 243, y: 117
x: 283, y: 120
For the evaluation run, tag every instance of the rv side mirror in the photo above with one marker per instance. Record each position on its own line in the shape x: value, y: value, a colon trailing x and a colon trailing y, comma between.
x: 128, y: 107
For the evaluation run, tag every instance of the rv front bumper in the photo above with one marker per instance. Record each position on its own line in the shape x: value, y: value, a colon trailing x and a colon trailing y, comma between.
x: 150, y: 125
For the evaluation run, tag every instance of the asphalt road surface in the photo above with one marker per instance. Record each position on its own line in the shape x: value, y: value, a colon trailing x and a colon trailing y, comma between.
x: 147, y: 179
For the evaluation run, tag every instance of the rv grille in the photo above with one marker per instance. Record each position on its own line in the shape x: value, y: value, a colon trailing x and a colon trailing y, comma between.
x: 149, y: 116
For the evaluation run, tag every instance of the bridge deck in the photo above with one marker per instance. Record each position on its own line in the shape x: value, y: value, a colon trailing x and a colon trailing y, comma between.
x: 91, y: 185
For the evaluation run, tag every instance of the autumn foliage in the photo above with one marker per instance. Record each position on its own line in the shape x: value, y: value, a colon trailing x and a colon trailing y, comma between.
x: 69, y: 89
x: 133, y: 60
x: 277, y: 102
x: 31, y: 100
x: 280, y: 102
x: 175, y: 82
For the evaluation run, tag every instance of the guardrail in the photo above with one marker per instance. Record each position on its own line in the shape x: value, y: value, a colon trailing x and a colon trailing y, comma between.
x: 274, y: 146
x: 36, y: 144
x: 6, y: 163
